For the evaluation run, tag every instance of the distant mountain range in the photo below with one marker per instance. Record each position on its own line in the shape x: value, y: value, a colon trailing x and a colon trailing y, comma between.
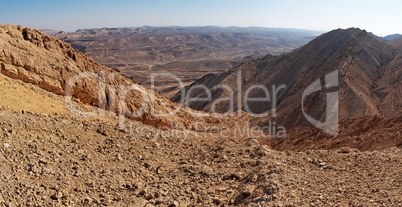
x: 188, y: 52
x: 392, y: 37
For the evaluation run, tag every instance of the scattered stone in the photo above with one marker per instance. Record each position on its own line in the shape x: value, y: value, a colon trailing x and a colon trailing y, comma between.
x: 325, y: 168
x: 42, y: 161
x: 238, y: 175
x: 248, y: 190
x: 119, y: 157
x: 272, y: 188
x: 252, y: 142
x: 344, y: 150
x: 87, y: 199
x: 174, y: 204
x: 263, y: 199
x: 263, y: 150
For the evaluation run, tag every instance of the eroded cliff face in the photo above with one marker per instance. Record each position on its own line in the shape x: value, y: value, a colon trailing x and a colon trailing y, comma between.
x: 54, y: 66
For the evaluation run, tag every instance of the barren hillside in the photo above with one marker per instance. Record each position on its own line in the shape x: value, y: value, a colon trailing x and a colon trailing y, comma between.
x: 397, y: 43
x: 369, y: 72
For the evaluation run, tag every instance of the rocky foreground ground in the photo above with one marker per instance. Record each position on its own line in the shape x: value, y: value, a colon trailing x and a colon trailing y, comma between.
x: 52, y: 157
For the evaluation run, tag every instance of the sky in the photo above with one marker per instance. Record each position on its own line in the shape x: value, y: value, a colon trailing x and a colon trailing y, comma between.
x: 382, y: 17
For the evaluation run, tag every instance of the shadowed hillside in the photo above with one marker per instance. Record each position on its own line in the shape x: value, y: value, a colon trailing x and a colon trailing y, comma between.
x: 368, y: 70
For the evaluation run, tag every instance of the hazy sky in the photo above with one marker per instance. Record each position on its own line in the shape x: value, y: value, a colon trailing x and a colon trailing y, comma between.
x: 381, y: 17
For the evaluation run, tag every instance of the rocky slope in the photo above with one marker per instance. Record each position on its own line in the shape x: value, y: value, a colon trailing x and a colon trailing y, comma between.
x: 369, y: 73
x: 55, y: 66
x: 50, y: 156
x: 364, y: 133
